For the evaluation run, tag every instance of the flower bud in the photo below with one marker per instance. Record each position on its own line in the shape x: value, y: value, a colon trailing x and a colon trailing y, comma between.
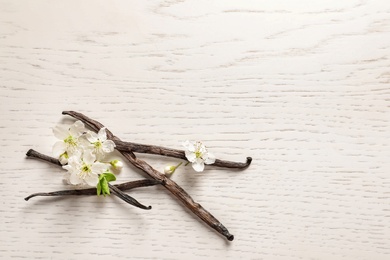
x: 64, y: 158
x: 169, y: 169
x: 116, y: 164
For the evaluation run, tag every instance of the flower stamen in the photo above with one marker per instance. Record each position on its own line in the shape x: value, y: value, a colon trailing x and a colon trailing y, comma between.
x: 70, y: 140
x: 97, y: 144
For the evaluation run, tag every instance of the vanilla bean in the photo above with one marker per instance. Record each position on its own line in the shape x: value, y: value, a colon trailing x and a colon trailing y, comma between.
x: 34, y: 154
x: 180, y: 194
x: 92, y: 191
x: 117, y: 192
x: 170, y: 185
x: 115, y: 189
x: 180, y: 154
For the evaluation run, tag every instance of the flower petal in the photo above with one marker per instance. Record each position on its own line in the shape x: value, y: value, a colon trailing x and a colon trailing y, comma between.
x: 60, y: 132
x: 191, y: 156
x: 188, y: 145
x: 117, y: 165
x: 77, y: 129
x: 92, y: 180
x: 200, y: 147
x: 58, y: 149
x: 89, y: 158
x: 92, y: 137
x: 210, y: 158
x: 75, y: 179
x: 75, y: 158
x: 84, y: 143
x: 198, y: 165
x: 99, y: 168
x: 108, y: 146
x: 63, y: 159
x: 68, y: 167
x: 102, y: 135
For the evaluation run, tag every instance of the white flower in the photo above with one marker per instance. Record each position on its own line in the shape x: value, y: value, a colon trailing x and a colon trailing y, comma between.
x: 198, y: 155
x: 99, y: 142
x: 84, y: 170
x: 69, y: 143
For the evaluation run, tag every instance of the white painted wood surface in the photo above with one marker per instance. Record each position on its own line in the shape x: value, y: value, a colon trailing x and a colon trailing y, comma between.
x: 301, y: 86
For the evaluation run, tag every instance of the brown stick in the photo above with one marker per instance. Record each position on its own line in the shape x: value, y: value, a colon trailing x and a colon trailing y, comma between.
x: 92, y: 191
x: 170, y: 185
x: 34, y: 154
x: 153, y: 149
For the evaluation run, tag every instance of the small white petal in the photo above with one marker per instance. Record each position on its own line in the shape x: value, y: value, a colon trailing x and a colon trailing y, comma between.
x: 63, y: 159
x: 108, y: 146
x: 210, y: 159
x: 92, y: 180
x: 84, y: 143
x: 78, y: 124
x: 169, y: 169
x: 189, y: 146
x: 72, y: 161
x: 75, y: 158
x: 102, y: 134
x: 200, y: 147
x: 68, y: 167
x: 60, y: 132
x: 59, y: 148
x: 98, y: 168
x: 119, y: 165
x: 77, y: 129
x: 191, y: 156
x: 100, y: 155
x: 89, y: 158
x: 75, y: 179
x: 198, y: 165
x: 92, y: 137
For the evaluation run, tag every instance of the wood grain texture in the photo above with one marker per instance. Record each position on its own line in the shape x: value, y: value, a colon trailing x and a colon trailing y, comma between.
x: 301, y: 87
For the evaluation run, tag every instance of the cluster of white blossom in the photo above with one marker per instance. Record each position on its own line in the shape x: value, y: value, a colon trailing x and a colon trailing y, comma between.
x: 81, y: 152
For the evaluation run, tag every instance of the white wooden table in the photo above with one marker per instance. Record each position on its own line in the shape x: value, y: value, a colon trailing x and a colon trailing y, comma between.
x: 301, y: 86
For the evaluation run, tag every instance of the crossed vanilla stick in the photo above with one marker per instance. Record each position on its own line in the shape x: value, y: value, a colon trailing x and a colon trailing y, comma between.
x: 127, y: 149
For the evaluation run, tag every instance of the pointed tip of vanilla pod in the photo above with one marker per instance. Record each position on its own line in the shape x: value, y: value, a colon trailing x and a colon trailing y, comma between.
x: 230, y: 238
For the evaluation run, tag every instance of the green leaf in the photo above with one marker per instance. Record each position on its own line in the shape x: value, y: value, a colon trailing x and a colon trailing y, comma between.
x: 99, y: 188
x: 105, y: 188
x: 109, y: 176
x: 102, y: 186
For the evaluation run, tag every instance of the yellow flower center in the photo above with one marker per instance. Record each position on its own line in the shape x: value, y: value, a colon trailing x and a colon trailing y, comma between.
x: 70, y: 140
x: 198, y: 154
x: 97, y: 144
x: 85, y: 170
